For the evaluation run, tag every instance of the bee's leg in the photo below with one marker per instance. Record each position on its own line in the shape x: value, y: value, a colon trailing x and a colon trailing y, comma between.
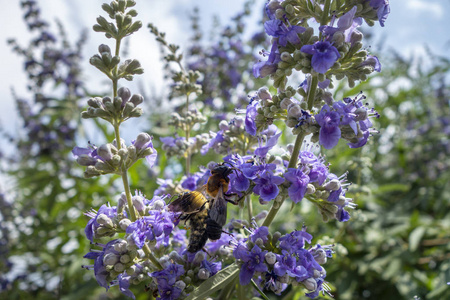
x: 234, y: 202
x: 230, y: 234
x: 206, y: 252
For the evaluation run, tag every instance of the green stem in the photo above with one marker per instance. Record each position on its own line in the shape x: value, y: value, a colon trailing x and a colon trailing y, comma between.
x: 312, y: 91
x: 292, y: 164
x: 188, y: 133
x: 150, y: 256
x: 249, y: 208
x: 124, y: 175
x: 326, y: 11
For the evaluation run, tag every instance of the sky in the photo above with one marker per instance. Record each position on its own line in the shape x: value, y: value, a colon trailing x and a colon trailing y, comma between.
x: 410, y: 25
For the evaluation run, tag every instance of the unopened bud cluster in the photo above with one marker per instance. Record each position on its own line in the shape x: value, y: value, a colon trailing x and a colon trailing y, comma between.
x: 191, y: 118
x: 117, y: 110
x: 108, y: 158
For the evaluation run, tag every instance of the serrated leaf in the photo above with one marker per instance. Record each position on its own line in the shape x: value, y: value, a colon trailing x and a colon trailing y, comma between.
x: 415, y: 237
x: 215, y: 283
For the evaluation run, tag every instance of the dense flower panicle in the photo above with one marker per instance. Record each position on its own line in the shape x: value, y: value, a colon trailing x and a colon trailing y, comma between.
x: 287, y: 260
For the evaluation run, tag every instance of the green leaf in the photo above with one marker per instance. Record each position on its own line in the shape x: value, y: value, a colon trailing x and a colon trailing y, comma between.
x: 259, y: 290
x: 214, y: 283
x: 415, y: 237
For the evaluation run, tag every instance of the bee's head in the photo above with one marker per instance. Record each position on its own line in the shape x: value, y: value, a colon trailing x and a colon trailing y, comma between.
x: 222, y: 170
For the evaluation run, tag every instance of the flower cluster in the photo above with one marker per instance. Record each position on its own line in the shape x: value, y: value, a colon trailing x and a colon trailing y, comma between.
x: 348, y: 119
x: 275, y: 261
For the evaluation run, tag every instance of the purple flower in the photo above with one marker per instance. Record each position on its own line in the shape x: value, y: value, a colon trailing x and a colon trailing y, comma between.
x: 271, y: 142
x: 168, y: 291
x: 329, y: 127
x: 124, y: 285
x: 271, y: 7
x: 151, y: 227
x: 253, y: 262
x: 285, y: 262
x: 344, y: 23
x: 319, y: 172
x: 278, y: 29
x: 143, y: 142
x: 264, y: 68
x: 168, y: 275
x: 324, y: 55
x: 93, y: 225
x: 372, y: 61
x: 212, y: 267
x: 86, y: 156
x: 299, y: 182
x: 267, y: 185
x: 383, y: 9
x: 361, y: 141
x: 295, y: 240
x: 101, y: 274
x: 259, y: 233
x: 250, y: 118
x: 217, y: 138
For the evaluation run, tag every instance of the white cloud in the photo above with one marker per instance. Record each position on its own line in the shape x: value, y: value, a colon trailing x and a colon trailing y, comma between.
x: 421, y: 6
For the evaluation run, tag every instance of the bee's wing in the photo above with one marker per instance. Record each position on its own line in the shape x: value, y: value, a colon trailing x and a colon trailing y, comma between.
x: 218, y: 210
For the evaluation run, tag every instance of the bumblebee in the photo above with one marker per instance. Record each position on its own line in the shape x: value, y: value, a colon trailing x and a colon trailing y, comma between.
x: 206, y: 217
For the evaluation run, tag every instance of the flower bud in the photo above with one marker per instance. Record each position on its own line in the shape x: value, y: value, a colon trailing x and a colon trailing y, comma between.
x: 136, y: 99
x: 175, y: 256
x: 131, y: 270
x: 138, y: 203
x: 310, y: 284
x: 104, y: 151
x: 125, y: 259
x: 276, y: 237
x: 110, y: 259
x: 104, y: 220
x: 86, y: 160
x: 122, y: 202
x: 124, y: 223
x: 124, y: 93
x: 310, y: 189
x: 122, y: 143
x: 320, y: 256
x: 264, y: 94
x: 199, y: 257
x: 294, y: 110
x: 333, y: 185
x: 271, y: 258
x: 285, y: 103
x: 119, y: 267
x: 180, y: 284
x: 142, y: 140
x: 203, y: 274
x: 104, y: 48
